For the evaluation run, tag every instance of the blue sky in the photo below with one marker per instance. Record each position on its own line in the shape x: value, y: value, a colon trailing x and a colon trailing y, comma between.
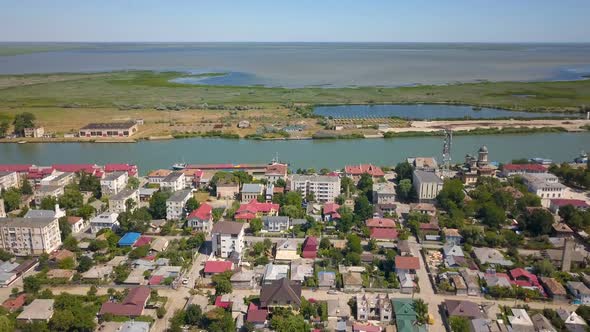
x: 296, y: 20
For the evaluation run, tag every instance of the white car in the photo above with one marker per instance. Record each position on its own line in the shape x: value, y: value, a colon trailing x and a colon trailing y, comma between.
x: 332, y: 292
x: 185, y: 281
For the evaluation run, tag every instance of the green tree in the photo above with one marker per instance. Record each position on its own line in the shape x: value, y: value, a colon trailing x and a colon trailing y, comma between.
x: 26, y: 188
x: 352, y: 258
x: 492, y: 215
x: 31, y: 284
x: 404, y: 171
x: 538, y: 222
x: 544, y: 268
x: 12, y: 199
x: 84, y: 264
x: 353, y: 244
x: 222, y: 283
x: 292, y: 211
x: 452, y: 194
x: 363, y: 208
x: 421, y: 309
x: 365, y: 184
x: 404, y: 190
x: 6, y: 324
x: 133, y: 182
x: 71, y: 199
x: 65, y: 228
x: 48, y: 203
x: 67, y: 263
x: 86, y: 211
x: 193, y: 315
x: 22, y: 121
x: 325, y: 243
x: 459, y: 324
x: 89, y: 182
x: 158, y: 204
x: 293, y: 198
x: 4, y: 125
x: 191, y: 205
x: 139, y: 252
x: 256, y: 225
x: 347, y: 186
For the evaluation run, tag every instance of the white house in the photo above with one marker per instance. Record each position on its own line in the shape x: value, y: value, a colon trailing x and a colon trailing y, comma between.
x: 113, y: 183
x: 427, y: 185
x: 61, y: 179
x: 227, y: 237
x: 175, y: 205
x: 544, y: 185
x: 174, y: 181
x: 201, y: 219
x: 275, y: 223
x: 104, y: 220
x: 118, y: 202
x: 77, y: 224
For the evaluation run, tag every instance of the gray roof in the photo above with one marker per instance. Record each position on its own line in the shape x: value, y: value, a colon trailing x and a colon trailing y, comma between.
x: 4, y: 173
x: 295, y: 222
x: 275, y: 219
x: 578, y: 288
x: 424, y: 176
x: 26, y: 222
x: 40, y: 214
x: 542, y: 324
x: 491, y: 256
x: 134, y: 326
x: 48, y: 188
x: 228, y: 227
x: 172, y: 177
x: 113, y: 176
x: 254, y: 188
x: 39, y: 309
x: 123, y: 194
x: 179, y: 196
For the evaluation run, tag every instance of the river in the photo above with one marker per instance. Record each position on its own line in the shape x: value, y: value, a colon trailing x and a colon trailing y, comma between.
x: 333, y: 154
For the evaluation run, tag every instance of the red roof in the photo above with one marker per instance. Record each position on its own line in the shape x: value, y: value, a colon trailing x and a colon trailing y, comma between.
x: 531, y: 279
x: 384, y: 233
x: 407, y: 263
x: 356, y: 327
x: 222, y: 304
x: 245, y: 216
x: 73, y: 219
x: 39, y: 172
x: 278, y: 169
x: 23, y: 168
x: 155, y: 280
x: 331, y: 208
x: 132, y: 304
x: 142, y: 241
x: 525, y: 168
x: 204, y: 212
x: 255, y: 314
x: 246, y: 211
x: 370, y: 169
x: 75, y: 168
x: 429, y: 227
x: 14, y: 303
x: 217, y: 266
x: 130, y: 169
x: 310, y: 248
x: 560, y: 202
x: 381, y: 223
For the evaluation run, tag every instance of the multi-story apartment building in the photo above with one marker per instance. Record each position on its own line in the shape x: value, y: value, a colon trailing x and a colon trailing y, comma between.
x: 383, y: 193
x: 61, y: 179
x: 174, y: 181
x: 427, y: 185
x: 29, y: 236
x: 227, y: 237
x: 8, y: 180
x: 544, y: 185
x: 275, y: 171
x: 113, y: 183
x: 175, y: 205
x: 325, y: 188
x: 118, y: 202
x: 105, y: 220
x: 47, y: 191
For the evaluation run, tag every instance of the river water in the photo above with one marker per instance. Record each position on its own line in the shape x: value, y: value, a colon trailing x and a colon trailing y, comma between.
x: 300, y: 154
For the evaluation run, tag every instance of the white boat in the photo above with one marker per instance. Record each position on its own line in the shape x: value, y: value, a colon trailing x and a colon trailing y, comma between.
x: 582, y: 158
x: 179, y: 166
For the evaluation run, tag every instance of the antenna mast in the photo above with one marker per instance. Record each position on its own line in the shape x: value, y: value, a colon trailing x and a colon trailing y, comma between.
x: 447, y: 144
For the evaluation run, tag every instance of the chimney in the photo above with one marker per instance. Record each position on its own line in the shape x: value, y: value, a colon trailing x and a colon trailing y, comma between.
x: 566, y: 258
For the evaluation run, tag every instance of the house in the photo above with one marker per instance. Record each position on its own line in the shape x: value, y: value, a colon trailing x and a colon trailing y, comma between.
x: 276, y: 171
x: 579, y: 291
x: 175, y: 204
x: 330, y: 211
x: 383, y: 193
x: 34, y: 132
x: 131, y: 306
x: 451, y: 249
x: 573, y: 321
x: 243, y: 279
x: 356, y: 171
x: 520, y: 321
x: 226, y: 237
x: 275, y: 223
x: 14, y: 304
x: 77, y: 224
x: 114, y: 129
x: 61, y: 179
x: 129, y: 239
x: 521, y: 169
x: 405, y: 316
x: 40, y: 310
x: 286, y: 250
x: 403, y: 248
x: 113, y: 183
x: 159, y: 244
x: 326, y: 279
x: 562, y: 230
x: 256, y: 316
x: 47, y: 191
x: 8, y: 179
x: 466, y: 309
x: 406, y: 264
x: 157, y: 176
x: 427, y: 185
x: 255, y: 209
x: 424, y: 208
x: 173, y: 182
x: 274, y: 272
x: 524, y: 278
x: 542, y: 324
x: 577, y: 257
x: 281, y: 293
x: 67, y: 275
x: 301, y: 270
x: 324, y: 188
x: 201, y: 219
x: 105, y: 220
x: 2, y: 211
x: 423, y: 163
x: 374, y: 307
x: 383, y: 234
x: 29, y: 236
x: 125, y: 199
x: 352, y: 281
x: 556, y: 204
x: 55, y: 213
x: 554, y: 288
x: 8, y: 273
x: 497, y: 279
x: 544, y: 185
x: 452, y: 235
x: 251, y: 191
x: 98, y: 273
x: 459, y: 284
x: 217, y: 267
x: 227, y: 190
x: 472, y: 282
x: 310, y: 247
x: 491, y: 256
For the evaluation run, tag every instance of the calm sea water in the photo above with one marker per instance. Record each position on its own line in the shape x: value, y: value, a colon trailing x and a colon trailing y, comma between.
x: 300, y: 154
x: 322, y: 64
x: 425, y: 112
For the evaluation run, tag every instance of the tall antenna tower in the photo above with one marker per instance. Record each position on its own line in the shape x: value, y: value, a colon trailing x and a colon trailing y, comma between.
x: 447, y: 144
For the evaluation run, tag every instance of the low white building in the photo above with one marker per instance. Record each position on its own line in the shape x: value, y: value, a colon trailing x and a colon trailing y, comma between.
x: 118, y: 202
x: 77, y: 224
x: 227, y: 237
x: 325, y: 188
x: 174, y: 181
x: 8, y: 180
x: 105, y: 220
x: 34, y: 132
x: 275, y: 223
x: 427, y: 185
x: 175, y: 205
x: 544, y: 185
x: 29, y: 236
x: 201, y: 219
x: 61, y: 179
x: 113, y: 183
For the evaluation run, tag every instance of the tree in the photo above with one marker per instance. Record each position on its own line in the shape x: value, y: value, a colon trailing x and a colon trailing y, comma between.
x: 404, y: 171
x: 6, y: 324
x: 89, y: 183
x: 256, y: 225
x: 4, y: 125
x: 353, y: 244
x: 293, y: 198
x: 363, y: 208
x: 161, y: 312
x: 193, y: 315
x: 5, y: 255
x: 421, y: 309
x: 404, y: 190
x: 292, y: 211
x: 65, y: 228
x: 62, y: 320
x: 12, y: 199
x: 325, y: 243
x: 191, y: 205
x: 22, y: 121
x: 72, y: 198
x: 67, y: 263
x: 492, y: 215
x: 347, y: 186
x: 222, y: 283
x: 84, y: 264
x: 31, y: 284
x: 133, y: 182
x: 139, y: 252
x: 459, y: 324
x: 286, y: 321
x: 352, y: 258
x: 544, y: 268
x: 86, y: 211
x: 451, y: 195
x: 538, y: 222
x: 365, y: 183
x: 48, y: 203
x: 26, y: 188
x: 158, y: 204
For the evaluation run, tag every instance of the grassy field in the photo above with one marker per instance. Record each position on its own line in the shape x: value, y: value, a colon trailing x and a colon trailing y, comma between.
x: 28, y: 48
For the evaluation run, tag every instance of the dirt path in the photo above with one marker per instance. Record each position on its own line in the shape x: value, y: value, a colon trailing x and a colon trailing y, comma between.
x: 428, y: 126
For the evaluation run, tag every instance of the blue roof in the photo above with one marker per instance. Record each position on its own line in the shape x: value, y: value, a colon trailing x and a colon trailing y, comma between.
x: 129, y: 239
